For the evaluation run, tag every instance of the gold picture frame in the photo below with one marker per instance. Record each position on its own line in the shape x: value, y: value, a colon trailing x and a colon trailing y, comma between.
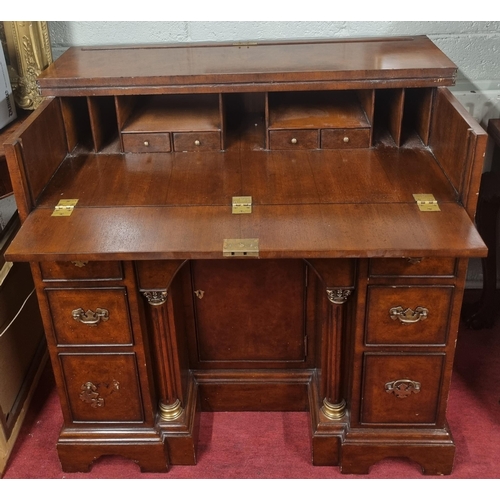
x: 28, y: 52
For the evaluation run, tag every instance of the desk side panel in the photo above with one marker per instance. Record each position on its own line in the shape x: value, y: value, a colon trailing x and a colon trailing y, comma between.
x: 35, y: 152
x: 459, y: 145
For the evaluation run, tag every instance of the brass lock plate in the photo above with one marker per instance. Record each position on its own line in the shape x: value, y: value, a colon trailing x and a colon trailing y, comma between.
x: 241, y: 247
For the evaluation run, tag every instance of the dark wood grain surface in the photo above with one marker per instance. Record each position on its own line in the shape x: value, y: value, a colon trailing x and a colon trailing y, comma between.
x: 253, y: 63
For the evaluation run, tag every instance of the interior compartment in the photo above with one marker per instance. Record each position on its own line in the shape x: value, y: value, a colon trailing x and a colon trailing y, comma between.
x: 173, y: 114
x: 321, y: 111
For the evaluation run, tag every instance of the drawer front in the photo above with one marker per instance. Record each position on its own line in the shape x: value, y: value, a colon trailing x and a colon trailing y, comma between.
x: 401, y: 389
x: 81, y: 271
x: 102, y: 388
x: 197, y: 141
x: 90, y: 316
x: 426, y: 266
x: 146, y: 143
x: 408, y: 315
x: 293, y: 139
x: 345, y: 138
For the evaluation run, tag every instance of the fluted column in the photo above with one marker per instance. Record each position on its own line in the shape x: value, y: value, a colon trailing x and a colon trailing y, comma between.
x: 333, y: 402
x: 165, y: 354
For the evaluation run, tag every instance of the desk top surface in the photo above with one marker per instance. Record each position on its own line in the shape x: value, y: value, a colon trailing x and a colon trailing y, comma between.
x: 271, y: 63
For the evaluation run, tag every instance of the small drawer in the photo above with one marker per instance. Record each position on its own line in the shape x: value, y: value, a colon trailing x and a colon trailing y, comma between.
x: 197, y: 141
x: 90, y: 316
x: 81, y: 271
x: 102, y: 388
x: 293, y: 139
x: 345, y: 138
x: 146, y: 143
x: 405, y: 315
x: 401, y: 389
x: 425, y: 266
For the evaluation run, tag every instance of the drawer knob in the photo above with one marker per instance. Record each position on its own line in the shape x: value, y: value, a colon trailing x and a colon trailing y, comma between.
x: 346, y: 139
x: 197, y: 142
x: 294, y: 141
x: 146, y: 143
x: 90, y: 318
x: 408, y: 315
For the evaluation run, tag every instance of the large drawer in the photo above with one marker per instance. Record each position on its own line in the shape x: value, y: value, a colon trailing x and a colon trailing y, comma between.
x: 102, y: 387
x: 81, y: 271
x: 401, y: 389
x: 90, y: 316
x: 408, y: 315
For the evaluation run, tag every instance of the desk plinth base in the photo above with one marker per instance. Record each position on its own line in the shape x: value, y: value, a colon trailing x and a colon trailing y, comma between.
x: 434, y: 450
x: 78, y: 450
x: 333, y: 442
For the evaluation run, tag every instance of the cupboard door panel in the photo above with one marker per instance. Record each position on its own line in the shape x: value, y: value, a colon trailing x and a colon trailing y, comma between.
x: 102, y: 388
x: 401, y: 389
x: 252, y: 311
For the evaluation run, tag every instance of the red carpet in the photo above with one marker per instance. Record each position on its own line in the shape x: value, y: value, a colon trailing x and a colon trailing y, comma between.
x: 276, y: 445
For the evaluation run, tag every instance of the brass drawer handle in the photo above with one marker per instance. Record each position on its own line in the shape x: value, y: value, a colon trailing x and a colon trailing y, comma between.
x: 197, y: 143
x: 294, y: 141
x: 402, y: 388
x: 90, y: 318
x: 408, y: 315
x: 414, y: 260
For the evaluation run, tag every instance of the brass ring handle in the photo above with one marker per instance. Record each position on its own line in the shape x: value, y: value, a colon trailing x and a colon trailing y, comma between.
x: 90, y: 318
x: 408, y: 316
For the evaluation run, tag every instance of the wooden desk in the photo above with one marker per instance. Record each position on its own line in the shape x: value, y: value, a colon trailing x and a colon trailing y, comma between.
x: 336, y: 289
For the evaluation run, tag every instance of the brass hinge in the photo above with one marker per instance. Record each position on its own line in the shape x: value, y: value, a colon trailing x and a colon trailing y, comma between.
x: 426, y: 202
x: 242, y: 205
x: 64, y: 208
x: 241, y: 247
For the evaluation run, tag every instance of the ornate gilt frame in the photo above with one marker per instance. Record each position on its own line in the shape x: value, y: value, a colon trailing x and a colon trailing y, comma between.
x: 28, y: 52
